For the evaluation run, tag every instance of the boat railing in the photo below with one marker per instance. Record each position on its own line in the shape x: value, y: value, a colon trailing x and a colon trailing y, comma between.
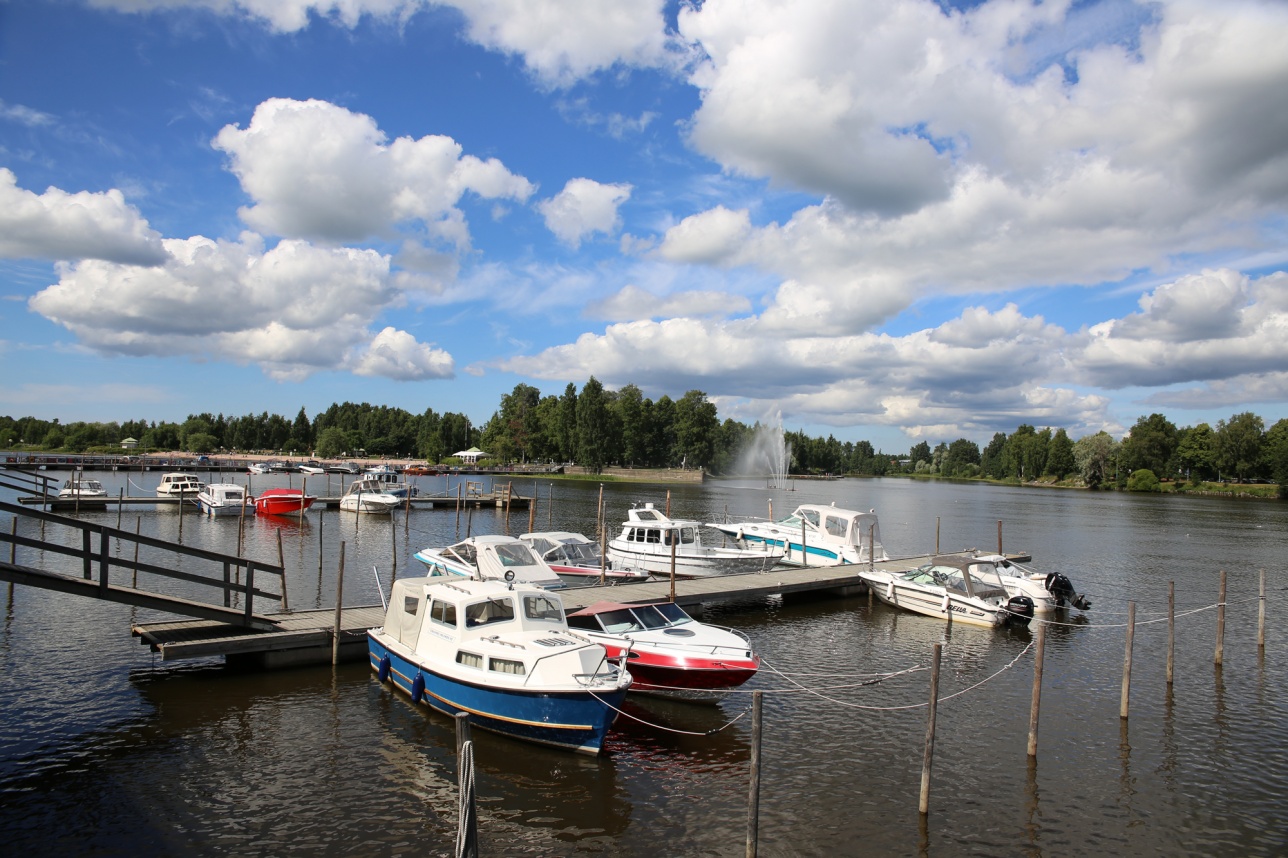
x: 499, y: 640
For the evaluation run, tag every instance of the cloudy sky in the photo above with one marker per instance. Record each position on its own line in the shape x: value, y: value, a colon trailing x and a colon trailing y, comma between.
x: 891, y: 220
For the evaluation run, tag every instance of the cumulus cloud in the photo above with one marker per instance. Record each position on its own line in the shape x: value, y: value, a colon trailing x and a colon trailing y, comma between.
x: 582, y: 208
x: 294, y: 310
x: 633, y: 303
x: 283, y: 16
x: 712, y: 237
x: 319, y: 171
x: 82, y: 225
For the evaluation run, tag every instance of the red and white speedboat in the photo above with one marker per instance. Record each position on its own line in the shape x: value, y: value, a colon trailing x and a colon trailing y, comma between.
x: 283, y: 501
x: 666, y: 650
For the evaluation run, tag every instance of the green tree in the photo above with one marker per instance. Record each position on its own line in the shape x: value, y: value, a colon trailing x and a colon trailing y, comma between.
x: 593, y: 427
x: 202, y: 443
x: 1274, y: 452
x: 961, y: 459
x: 919, y: 456
x: 1013, y: 454
x: 1196, y: 452
x: 1142, y: 480
x: 696, y: 425
x: 1238, y: 444
x: 1150, y: 445
x: 1060, y: 462
x: 992, y: 462
x: 1096, y: 457
x: 633, y: 417
x: 302, y: 431
x: 566, y: 433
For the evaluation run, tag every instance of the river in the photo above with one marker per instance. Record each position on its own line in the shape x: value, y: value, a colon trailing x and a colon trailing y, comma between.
x: 105, y: 750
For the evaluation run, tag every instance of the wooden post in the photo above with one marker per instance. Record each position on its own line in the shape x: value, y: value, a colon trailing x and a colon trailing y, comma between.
x: 339, y: 602
x: 674, y: 539
x: 458, y: 510
x: 393, y: 543
x: 462, y: 736
x: 668, y: 503
x: 304, y: 489
x: 550, y: 504
x: 872, y: 546
x: 181, y: 488
x: 936, y: 534
x: 999, y: 536
x: 241, y: 518
x: 532, y: 509
x: 603, y: 557
x: 599, y: 511
x: 1036, y: 701
x: 509, y: 498
x: 1220, y: 623
x: 1131, y: 634
x: 753, y: 797
x: 771, y: 509
x: 138, y: 528
x: 406, y: 520
x: 469, y: 522
x: 120, y: 502
x: 281, y: 561
x: 1261, y: 613
x: 928, y: 757
x: 320, y: 520
x: 1171, y: 631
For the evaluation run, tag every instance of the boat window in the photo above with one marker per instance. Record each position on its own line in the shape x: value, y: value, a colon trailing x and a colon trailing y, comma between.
x: 506, y: 665
x: 443, y: 613
x: 810, y: 515
x: 836, y: 526
x: 649, y: 617
x: 542, y: 608
x: 469, y: 659
x: 587, y: 623
x: 515, y: 554
x: 674, y: 613
x: 464, y: 551
x: 653, y: 536
x: 688, y: 536
x: 491, y: 611
x: 582, y: 551
x: 619, y: 622
x: 411, y: 604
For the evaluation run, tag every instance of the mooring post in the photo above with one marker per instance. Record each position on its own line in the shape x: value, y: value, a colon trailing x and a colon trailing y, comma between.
x: 1131, y: 635
x: 936, y: 534
x: 320, y: 520
x: 1036, y: 702
x: 120, y: 503
x: 668, y: 503
x: 674, y: 538
x: 393, y: 543
x: 753, y: 796
x: 181, y: 488
x: 599, y: 511
x: 532, y: 509
x: 804, y: 552
x: 999, y: 536
x: 1220, y: 623
x: 469, y: 522
x: 550, y: 504
x: 304, y: 490
x: 928, y: 756
x: 339, y: 602
x: 458, y: 510
x: 1171, y: 631
x: 138, y: 528
x: 406, y: 519
x: 603, y: 556
x: 1261, y: 613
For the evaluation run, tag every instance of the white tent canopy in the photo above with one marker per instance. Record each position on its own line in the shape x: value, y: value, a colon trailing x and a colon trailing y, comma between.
x: 472, y: 455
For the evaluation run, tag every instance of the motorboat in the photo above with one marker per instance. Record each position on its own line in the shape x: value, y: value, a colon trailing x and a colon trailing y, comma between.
x: 223, y: 499
x: 392, y: 481
x: 79, y: 487
x: 648, y: 537
x: 257, y: 468
x: 343, y: 468
x: 502, y: 652
x: 312, y: 468
x: 962, y: 588
x: 1049, y: 591
x: 176, y: 485
x: 369, y: 495
x: 814, y: 535
x: 491, y: 558
x: 283, y: 502
x: 576, y: 559
x: 667, y: 651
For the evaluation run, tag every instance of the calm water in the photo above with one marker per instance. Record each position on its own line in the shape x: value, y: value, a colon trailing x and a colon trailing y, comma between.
x: 106, y: 751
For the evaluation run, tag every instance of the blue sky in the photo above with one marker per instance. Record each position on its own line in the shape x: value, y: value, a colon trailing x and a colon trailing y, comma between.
x: 898, y: 220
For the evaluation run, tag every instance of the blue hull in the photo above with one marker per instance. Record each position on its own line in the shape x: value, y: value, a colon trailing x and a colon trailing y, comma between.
x: 573, y: 720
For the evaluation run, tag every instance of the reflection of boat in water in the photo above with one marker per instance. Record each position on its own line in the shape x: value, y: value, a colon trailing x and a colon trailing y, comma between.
x: 649, y: 540
x: 957, y: 587
x: 502, y: 653
x: 831, y: 536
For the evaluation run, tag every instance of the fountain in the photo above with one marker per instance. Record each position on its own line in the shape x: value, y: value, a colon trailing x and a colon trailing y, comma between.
x: 767, y: 453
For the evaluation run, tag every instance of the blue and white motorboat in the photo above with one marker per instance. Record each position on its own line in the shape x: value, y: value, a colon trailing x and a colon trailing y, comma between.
x: 503, y: 653
x: 391, y: 481
x: 485, y: 558
x: 225, y: 499
x: 814, y: 535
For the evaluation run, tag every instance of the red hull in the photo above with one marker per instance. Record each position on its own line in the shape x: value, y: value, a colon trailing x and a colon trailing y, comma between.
x: 283, y: 502
x: 653, y: 671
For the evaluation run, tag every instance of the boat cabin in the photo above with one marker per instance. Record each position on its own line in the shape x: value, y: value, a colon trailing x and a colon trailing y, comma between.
x: 83, y: 488
x: 648, y: 525
x: 967, y: 576
x: 562, y: 548
x: 843, y: 526
x: 173, y: 484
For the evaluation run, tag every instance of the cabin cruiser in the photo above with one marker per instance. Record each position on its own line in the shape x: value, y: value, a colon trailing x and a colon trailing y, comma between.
x: 79, y: 487
x: 369, y: 496
x: 223, y: 499
x: 175, y: 485
x: 648, y: 537
x: 814, y: 535
x: 502, y: 652
x: 491, y: 558
x: 576, y: 559
x: 959, y: 588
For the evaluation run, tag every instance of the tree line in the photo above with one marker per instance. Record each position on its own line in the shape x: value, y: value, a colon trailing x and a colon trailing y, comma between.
x: 597, y: 428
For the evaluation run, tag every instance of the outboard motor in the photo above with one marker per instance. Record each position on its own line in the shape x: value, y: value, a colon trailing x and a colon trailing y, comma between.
x: 1019, y: 611
x: 1061, y: 588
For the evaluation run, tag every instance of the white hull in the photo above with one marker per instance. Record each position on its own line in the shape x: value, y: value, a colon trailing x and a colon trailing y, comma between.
x: 930, y: 604
x: 373, y: 504
x: 708, y: 564
x: 962, y: 590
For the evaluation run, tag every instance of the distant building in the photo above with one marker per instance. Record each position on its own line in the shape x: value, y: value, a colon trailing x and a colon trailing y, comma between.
x: 129, y: 443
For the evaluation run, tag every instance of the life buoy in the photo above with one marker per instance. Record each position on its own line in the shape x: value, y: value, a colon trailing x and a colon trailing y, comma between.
x: 383, y: 673
x: 418, y: 688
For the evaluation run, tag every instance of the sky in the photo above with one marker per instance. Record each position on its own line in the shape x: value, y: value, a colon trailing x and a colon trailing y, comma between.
x: 888, y: 220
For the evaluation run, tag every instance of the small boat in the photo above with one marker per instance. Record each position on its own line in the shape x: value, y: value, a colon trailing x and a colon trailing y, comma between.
x: 392, y: 481
x: 576, y: 559
x: 646, y: 543
x: 283, y: 502
x: 961, y: 588
x: 1049, y: 591
x: 176, y: 485
x: 503, y: 653
x: 223, y: 499
x: 831, y: 536
x: 368, y: 495
x: 421, y: 471
x: 667, y: 651
x: 312, y: 468
x: 343, y: 468
x: 259, y: 468
x: 491, y: 558
x: 79, y: 487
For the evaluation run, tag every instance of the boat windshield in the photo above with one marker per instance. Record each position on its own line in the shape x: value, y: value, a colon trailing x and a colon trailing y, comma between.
x: 542, y: 608
x: 581, y: 552
x: 498, y: 610
x: 650, y: 617
x: 674, y: 613
x: 465, y: 552
x: 619, y: 622
x: 516, y: 554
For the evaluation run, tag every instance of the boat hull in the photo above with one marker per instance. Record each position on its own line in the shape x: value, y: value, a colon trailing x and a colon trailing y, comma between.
x: 370, y: 505
x: 572, y: 720
x: 283, y: 502
x: 944, y: 606
x: 692, y: 566
x: 218, y: 510
x: 659, y: 673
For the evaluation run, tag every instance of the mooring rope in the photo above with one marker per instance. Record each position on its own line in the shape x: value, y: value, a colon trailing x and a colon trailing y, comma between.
x: 464, y: 800
x: 1160, y: 619
x: 719, y: 729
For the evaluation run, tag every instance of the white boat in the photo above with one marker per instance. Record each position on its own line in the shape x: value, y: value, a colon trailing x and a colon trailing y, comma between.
x: 312, y: 468
x: 259, y: 468
x: 575, y: 558
x: 368, y: 495
x: 490, y: 558
x: 391, y: 481
x: 225, y: 499
x: 503, y: 653
x: 176, y: 485
x: 79, y: 487
x: 343, y: 468
x: 648, y: 536
x: 958, y: 587
x: 1049, y: 591
x: 830, y: 536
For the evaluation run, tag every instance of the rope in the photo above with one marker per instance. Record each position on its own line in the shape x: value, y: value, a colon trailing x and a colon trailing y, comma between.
x: 725, y: 726
x: 465, y: 802
x: 1160, y: 619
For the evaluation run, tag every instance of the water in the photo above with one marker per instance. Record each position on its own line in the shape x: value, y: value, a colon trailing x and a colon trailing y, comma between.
x: 106, y: 751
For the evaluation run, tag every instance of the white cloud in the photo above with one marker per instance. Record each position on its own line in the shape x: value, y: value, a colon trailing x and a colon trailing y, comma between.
x: 397, y: 355
x: 711, y: 237
x: 319, y: 171
x: 633, y: 303
x: 83, y: 225
x: 283, y: 16
x: 582, y: 208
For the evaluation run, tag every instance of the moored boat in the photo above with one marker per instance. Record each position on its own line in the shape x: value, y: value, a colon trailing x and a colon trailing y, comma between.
x: 176, y: 485
x: 814, y: 535
x: 312, y: 468
x: 490, y: 558
x: 223, y: 499
x: 1049, y: 591
x: 79, y: 487
x: 256, y: 468
x: 958, y: 587
x: 576, y: 559
x: 648, y: 537
x: 504, y: 654
x: 667, y: 651
x: 283, y: 502
x: 368, y: 495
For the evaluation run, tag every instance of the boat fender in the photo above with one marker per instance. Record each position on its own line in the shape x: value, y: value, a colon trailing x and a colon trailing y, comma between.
x: 418, y: 688
x: 944, y: 606
x: 890, y: 590
x: 383, y: 673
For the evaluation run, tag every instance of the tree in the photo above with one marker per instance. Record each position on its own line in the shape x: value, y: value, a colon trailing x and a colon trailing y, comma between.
x: 302, y: 431
x: 1196, y: 452
x: 593, y: 427
x: 1095, y: 455
x: 1013, y: 454
x: 566, y: 431
x: 631, y: 414
x: 1274, y: 451
x: 696, y: 425
x: 1150, y: 445
x: 1238, y: 444
x: 1060, y: 461
x: 919, y: 454
x: 961, y: 459
x: 991, y: 461
x: 1142, y: 480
